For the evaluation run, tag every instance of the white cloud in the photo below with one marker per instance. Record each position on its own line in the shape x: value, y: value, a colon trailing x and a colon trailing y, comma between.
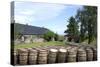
x: 34, y: 13
x: 23, y: 19
x: 37, y: 11
x: 27, y: 12
x: 58, y: 28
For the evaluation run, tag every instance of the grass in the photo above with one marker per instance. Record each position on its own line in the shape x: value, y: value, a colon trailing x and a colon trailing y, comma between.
x: 51, y: 43
x: 93, y: 43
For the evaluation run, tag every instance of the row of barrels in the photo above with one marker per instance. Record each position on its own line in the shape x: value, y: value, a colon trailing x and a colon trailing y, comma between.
x: 49, y: 55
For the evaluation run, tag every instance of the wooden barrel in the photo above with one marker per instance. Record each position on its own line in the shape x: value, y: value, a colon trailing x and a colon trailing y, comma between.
x: 81, y: 55
x: 94, y: 54
x: 23, y: 56
x: 89, y: 53
x: 52, y: 56
x: 32, y: 56
x: 71, y: 57
x: 68, y: 47
x: 61, y: 55
x: 14, y: 57
x: 42, y: 56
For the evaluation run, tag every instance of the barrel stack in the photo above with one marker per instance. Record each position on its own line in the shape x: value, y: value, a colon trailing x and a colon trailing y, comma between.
x: 71, y: 55
x: 15, y: 56
x: 23, y: 56
x: 32, y: 56
x: 94, y: 54
x: 52, y: 56
x: 68, y: 48
x: 81, y: 55
x: 62, y: 55
x: 89, y: 53
x: 42, y: 56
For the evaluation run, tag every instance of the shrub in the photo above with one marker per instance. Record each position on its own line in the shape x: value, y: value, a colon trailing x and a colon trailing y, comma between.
x: 48, y: 36
x: 56, y: 37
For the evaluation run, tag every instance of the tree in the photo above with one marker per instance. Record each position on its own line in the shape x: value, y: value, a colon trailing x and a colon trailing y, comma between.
x: 48, y: 36
x: 56, y: 37
x: 72, y: 30
x: 82, y: 19
x: 87, y: 17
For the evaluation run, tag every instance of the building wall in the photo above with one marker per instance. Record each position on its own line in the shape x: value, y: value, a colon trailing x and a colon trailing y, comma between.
x: 29, y: 39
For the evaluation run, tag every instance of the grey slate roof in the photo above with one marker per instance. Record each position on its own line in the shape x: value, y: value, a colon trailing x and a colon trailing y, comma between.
x: 29, y: 30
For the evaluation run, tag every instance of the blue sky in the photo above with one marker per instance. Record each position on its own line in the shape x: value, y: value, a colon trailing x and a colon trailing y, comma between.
x: 52, y: 16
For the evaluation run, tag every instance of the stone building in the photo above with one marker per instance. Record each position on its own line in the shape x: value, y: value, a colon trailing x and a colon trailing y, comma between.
x: 27, y: 33
x: 72, y: 38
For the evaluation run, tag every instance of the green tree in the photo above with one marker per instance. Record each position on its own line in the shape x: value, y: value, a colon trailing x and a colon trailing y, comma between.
x: 87, y: 17
x: 72, y: 28
x: 56, y: 37
x: 82, y: 19
x: 48, y: 36
x: 92, y: 22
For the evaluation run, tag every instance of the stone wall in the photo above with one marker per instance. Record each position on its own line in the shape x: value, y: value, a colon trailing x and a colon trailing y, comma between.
x: 29, y: 39
x: 38, y: 40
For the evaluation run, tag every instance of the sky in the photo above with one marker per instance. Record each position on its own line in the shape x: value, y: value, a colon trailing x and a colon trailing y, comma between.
x: 51, y: 16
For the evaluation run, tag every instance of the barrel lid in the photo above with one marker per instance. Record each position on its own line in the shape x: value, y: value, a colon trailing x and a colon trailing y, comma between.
x: 53, y: 50
x: 62, y: 50
x: 94, y: 48
x: 88, y: 49
x: 42, y: 50
x: 69, y: 47
x: 81, y: 49
x: 32, y: 50
x: 22, y: 50
x: 29, y: 48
